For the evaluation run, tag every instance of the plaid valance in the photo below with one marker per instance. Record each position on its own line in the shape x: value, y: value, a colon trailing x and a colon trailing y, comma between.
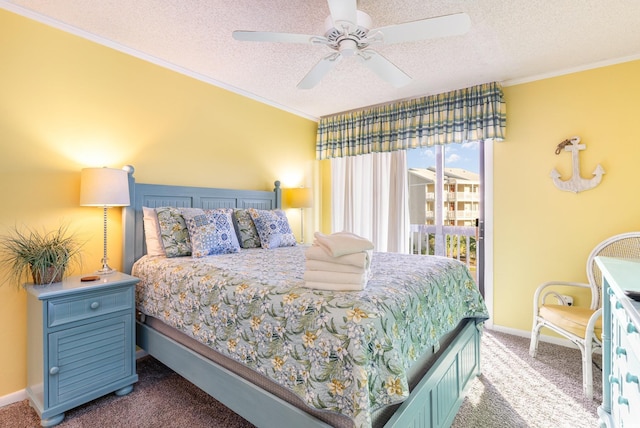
x: 470, y: 114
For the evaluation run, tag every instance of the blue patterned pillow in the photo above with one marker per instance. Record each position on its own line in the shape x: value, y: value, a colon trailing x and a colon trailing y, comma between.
x: 273, y: 228
x: 212, y: 232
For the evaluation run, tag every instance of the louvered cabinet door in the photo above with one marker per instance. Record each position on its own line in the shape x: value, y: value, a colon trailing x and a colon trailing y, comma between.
x: 88, y: 358
x: 81, y: 343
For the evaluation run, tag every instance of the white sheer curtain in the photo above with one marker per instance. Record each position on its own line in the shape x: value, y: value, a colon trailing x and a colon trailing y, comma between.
x: 370, y: 198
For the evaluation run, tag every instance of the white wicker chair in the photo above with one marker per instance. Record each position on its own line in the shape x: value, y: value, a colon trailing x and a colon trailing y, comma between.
x: 583, y: 326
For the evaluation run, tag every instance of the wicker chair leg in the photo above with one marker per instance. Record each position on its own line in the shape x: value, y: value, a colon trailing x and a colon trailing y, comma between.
x: 535, y: 334
x: 587, y: 371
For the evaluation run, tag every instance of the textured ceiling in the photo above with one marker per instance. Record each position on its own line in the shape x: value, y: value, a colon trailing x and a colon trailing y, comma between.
x: 509, y: 41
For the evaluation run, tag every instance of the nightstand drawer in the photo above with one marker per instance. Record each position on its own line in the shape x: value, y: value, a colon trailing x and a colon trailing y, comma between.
x: 88, y: 305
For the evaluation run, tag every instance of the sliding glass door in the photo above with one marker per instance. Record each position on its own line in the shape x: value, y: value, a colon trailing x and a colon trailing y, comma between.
x: 446, y: 203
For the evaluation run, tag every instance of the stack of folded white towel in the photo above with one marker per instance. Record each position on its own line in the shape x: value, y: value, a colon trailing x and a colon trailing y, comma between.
x: 340, y: 261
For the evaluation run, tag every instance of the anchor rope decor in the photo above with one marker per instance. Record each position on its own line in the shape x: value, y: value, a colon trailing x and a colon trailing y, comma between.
x: 562, y: 145
x: 575, y: 183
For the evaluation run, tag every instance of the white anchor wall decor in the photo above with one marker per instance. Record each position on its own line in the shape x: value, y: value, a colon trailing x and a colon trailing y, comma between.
x: 576, y: 183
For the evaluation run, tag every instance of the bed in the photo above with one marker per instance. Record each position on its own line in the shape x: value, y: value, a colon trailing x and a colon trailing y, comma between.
x: 321, y: 382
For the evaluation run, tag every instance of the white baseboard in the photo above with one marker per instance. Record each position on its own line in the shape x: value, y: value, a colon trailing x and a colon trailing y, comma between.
x: 14, y: 397
x: 543, y: 338
x: 554, y: 340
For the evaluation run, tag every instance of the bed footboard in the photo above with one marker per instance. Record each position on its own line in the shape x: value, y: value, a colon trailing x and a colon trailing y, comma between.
x: 434, y: 402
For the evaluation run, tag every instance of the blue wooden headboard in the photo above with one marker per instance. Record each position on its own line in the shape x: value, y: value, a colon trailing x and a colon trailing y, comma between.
x: 159, y: 195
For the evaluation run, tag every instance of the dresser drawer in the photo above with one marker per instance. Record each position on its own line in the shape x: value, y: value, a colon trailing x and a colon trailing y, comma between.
x: 624, y: 379
x: 625, y: 394
x: 88, y: 305
x: 627, y: 328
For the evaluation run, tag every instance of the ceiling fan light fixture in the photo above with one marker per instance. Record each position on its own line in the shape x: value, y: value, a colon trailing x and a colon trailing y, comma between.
x: 348, y: 47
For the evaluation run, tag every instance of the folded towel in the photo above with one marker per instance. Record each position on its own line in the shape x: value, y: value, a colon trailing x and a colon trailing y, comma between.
x: 360, y: 260
x: 342, y: 243
x: 311, y: 264
x: 336, y: 277
x: 333, y: 287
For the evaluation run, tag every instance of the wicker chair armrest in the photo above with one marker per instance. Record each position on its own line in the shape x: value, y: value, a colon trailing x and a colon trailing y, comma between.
x: 536, y: 297
x: 592, y: 321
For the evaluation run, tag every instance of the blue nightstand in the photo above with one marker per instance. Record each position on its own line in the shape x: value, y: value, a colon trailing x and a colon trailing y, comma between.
x: 80, y: 344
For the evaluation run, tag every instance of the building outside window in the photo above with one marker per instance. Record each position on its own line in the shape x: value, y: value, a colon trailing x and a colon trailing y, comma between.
x: 444, y: 215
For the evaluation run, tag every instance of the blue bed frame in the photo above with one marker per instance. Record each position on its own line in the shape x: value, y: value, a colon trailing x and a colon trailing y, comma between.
x: 434, y: 401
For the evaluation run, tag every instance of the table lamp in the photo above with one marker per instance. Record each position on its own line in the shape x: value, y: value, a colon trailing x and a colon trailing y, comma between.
x: 104, y: 187
x: 299, y: 197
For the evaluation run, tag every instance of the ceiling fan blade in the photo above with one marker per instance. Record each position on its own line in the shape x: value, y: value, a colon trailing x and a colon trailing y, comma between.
x: 343, y: 12
x: 319, y: 70
x: 266, y: 36
x: 441, y: 26
x: 384, y: 68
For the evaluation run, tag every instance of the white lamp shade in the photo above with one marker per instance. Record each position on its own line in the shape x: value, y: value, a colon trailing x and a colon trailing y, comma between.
x: 298, y: 197
x: 104, y: 187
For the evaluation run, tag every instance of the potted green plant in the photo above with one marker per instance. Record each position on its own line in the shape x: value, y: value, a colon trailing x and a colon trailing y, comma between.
x: 43, y: 256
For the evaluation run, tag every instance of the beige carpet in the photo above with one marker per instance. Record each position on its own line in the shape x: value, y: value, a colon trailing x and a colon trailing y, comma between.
x: 513, y: 391
x: 516, y: 390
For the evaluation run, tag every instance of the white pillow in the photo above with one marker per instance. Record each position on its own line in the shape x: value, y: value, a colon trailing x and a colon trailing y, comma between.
x: 152, y: 235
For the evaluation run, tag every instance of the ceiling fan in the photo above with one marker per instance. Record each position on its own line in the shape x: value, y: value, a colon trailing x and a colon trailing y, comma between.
x: 349, y: 33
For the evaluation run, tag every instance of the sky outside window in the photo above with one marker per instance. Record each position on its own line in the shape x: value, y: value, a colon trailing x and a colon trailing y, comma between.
x: 464, y: 156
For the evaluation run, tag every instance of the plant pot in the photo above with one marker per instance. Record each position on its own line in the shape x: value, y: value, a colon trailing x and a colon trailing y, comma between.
x: 48, y: 275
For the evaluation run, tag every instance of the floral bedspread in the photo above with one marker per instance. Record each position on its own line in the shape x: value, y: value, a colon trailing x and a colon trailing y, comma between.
x: 346, y: 352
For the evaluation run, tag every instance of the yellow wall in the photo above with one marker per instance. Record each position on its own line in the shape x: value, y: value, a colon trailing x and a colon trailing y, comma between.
x: 542, y: 233
x: 67, y: 103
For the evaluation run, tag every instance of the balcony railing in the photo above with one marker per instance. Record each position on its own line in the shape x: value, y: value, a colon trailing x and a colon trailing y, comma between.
x: 456, y: 196
x: 463, y: 196
x: 458, y: 242
x: 462, y: 215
